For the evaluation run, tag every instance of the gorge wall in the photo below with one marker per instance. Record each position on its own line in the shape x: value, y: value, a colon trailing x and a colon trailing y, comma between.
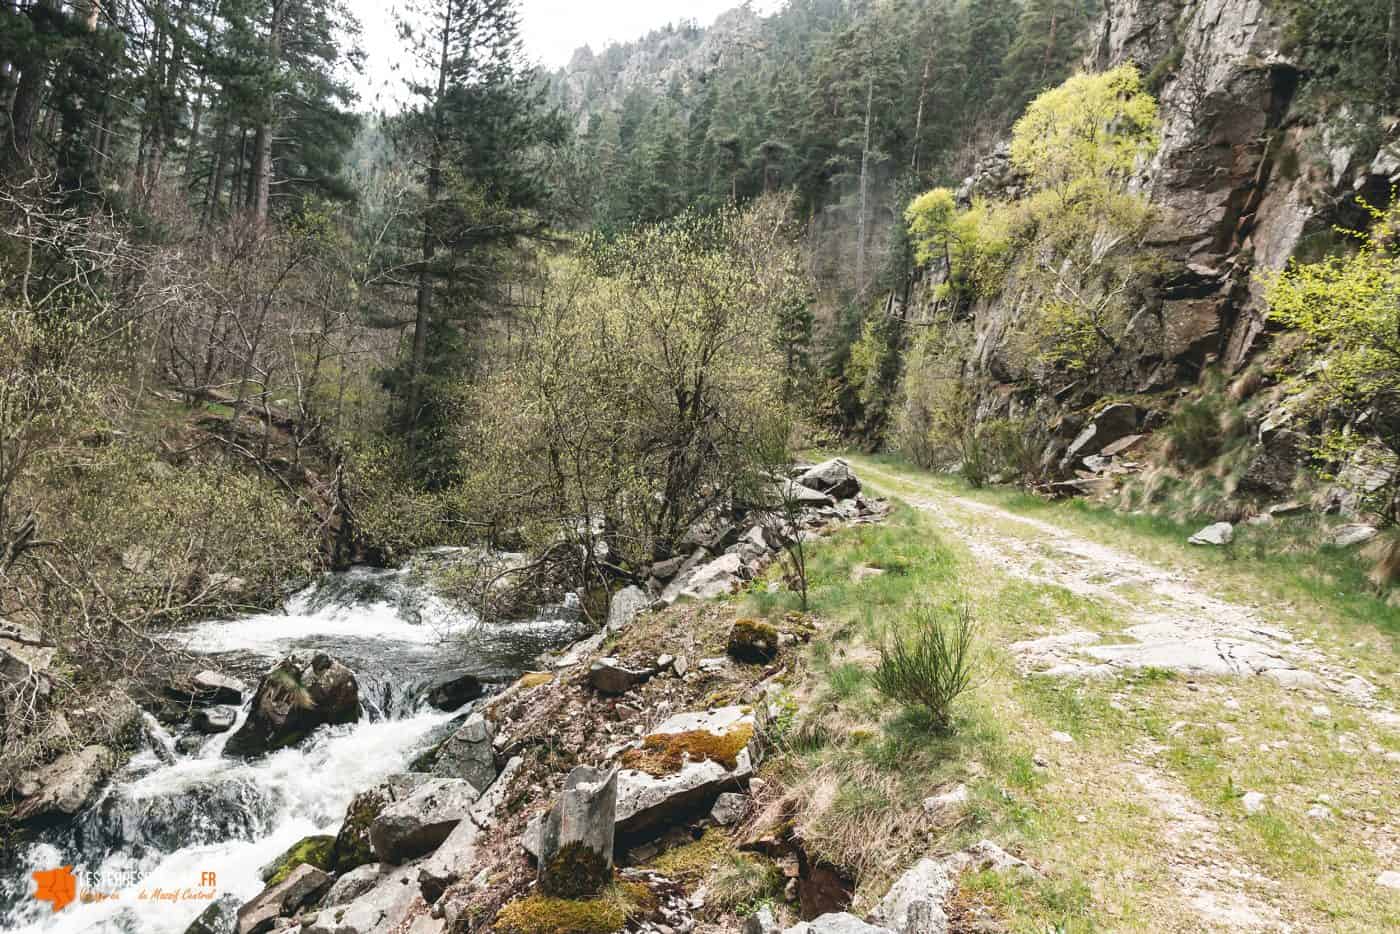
x: 1247, y: 176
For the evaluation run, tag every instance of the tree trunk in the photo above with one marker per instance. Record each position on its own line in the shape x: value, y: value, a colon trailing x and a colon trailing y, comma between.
x: 919, y: 113
x: 423, y: 309
x: 260, y: 179
x: 864, y: 186
x: 216, y: 174
x: 28, y: 96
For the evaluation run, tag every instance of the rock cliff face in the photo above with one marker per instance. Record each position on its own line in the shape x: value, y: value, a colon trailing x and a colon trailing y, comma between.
x: 1243, y: 179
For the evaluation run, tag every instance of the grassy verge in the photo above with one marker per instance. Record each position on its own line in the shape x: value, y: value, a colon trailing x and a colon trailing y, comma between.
x: 1154, y: 757
x: 1280, y: 563
x: 856, y: 768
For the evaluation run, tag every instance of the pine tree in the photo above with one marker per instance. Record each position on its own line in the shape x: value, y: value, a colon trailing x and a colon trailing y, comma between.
x: 470, y: 130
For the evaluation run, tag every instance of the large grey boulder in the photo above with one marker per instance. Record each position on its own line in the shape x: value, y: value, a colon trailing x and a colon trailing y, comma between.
x: 220, y: 917
x: 833, y: 477
x: 1349, y: 536
x: 389, y: 902
x: 1113, y: 423
x: 684, y: 765
x: 1221, y: 533
x: 714, y: 579
x: 353, y: 884
x: 467, y: 753
x: 213, y: 720
x: 63, y: 787
x: 576, y: 840
x: 626, y: 604
x: 457, y: 855
x: 302, y: 885
x: 418, y: 823
x: 452, y: 694
x: 914, y: 904
x: 293, y: 699
x: 352, y: 843
x: 836, y: 923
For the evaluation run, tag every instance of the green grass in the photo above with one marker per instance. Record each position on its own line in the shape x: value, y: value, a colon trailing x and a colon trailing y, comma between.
x: 1283, y: 558
x: 859, y: 766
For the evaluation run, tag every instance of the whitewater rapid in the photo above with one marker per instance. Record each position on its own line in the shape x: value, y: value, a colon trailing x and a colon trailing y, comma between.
x: 197, y: 825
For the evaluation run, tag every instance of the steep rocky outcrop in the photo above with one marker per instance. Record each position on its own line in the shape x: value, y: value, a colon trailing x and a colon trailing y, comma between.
x: 1246, y: 172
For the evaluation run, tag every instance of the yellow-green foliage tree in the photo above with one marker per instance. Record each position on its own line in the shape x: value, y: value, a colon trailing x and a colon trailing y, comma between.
x: 642, y: 386
x: 1078, y: 145
x: 1086, y: 134
x: 1349, y: 308
x: 1070, y: 242
x: 971, y: 245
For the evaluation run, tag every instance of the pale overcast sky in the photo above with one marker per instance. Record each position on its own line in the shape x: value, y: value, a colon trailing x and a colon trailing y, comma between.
x: 551, y: 30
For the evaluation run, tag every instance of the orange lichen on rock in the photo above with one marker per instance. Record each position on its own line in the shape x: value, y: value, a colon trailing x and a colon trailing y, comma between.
x: 665, y: 753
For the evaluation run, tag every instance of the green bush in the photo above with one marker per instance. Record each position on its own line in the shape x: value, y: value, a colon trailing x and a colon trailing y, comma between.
x: 930, y: 664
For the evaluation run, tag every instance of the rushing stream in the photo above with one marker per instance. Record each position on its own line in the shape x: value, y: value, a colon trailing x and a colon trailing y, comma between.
x: 169, y: 818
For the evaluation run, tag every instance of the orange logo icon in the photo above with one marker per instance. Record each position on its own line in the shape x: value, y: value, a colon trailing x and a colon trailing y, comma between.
x: 59, y: 886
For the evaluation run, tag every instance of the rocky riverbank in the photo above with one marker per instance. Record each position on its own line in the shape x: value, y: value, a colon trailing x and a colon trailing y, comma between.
x: 587, y: 794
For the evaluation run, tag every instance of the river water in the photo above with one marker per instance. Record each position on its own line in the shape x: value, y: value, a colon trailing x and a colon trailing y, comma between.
x: 199, y: 825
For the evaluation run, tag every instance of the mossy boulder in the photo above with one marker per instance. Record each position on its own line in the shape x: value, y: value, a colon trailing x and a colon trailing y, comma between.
x: 352, y: 844
x: 317, y: 850
x: 753, y: 641
x: 293, y: 699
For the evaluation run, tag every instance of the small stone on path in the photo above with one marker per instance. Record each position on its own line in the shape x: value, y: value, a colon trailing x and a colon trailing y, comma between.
x: 1389, y: 879
x: 1060, y: 737
x: 1253, y: 802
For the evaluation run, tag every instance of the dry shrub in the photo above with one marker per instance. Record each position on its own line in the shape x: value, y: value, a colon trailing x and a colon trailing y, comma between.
x: 1384, y: 552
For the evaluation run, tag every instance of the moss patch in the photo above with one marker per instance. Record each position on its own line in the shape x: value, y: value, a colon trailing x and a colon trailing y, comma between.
x: 575, y: 871
x: 352, y: 847
x: 694, y: 861
x: 753, y: 641
x: 665, y: 753
x: 533, y: 679
x: 316, y: 851
x: 542, y: 914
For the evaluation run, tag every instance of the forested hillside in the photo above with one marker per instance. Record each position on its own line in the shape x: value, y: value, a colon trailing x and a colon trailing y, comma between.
x: 476, y: 433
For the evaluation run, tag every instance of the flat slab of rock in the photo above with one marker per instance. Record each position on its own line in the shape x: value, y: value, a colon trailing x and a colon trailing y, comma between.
x: 707, y: 581
x: 65, y: 786
x: 1221, y: 533
x: 1349, y: 536
x: 840, y: 923
x: 418, y: 823
x: 277, y: 901
x: 610, y: 676
x: 673, y: 772
x: 389, y: 901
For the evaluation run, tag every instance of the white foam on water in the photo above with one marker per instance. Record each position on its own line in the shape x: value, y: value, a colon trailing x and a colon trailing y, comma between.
x: 310, y: 786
